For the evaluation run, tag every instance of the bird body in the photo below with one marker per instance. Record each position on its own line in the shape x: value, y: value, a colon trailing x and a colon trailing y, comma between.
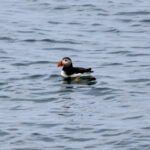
x: 75, y: 71
x: 63, y: 73
x: 70, y: 71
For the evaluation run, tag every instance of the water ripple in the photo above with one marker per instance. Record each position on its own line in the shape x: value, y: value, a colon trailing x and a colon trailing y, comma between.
x: 33, y: 63
x: 51, y: 41
x: 41, y: 110
x: 133, y: 13
x: 137, y: 80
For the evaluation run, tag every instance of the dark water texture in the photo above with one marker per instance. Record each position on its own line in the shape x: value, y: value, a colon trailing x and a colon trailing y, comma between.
x: 41, y: 111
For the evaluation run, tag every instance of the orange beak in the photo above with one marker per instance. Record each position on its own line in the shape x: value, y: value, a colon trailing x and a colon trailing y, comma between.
x: 60, y: 64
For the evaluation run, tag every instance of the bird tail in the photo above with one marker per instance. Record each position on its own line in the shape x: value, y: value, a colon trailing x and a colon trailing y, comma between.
x: 89, y: 70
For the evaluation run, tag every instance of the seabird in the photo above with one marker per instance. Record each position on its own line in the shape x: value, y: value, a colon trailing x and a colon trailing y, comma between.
x: 69, y: 71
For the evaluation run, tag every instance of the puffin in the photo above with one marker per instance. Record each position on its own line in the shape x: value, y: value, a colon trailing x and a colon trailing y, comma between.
x: 68, y: 71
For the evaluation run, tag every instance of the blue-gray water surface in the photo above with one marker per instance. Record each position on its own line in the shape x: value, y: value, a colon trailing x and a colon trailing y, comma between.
x: 41, y: 111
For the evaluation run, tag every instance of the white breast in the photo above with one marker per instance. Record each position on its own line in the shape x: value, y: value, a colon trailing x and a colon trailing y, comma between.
x: 75, y: 75
x: 63, y: 74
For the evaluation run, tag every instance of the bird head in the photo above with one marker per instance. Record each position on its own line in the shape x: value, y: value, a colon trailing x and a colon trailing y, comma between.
x: 65, y: 62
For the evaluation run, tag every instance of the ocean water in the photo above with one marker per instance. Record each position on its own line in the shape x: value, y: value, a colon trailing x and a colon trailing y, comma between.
x: 39, y: 110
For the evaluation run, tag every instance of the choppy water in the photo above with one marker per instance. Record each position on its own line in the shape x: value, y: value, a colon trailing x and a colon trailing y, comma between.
x: 41, y: 111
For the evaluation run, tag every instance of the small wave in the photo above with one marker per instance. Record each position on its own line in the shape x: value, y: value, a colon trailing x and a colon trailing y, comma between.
x: 146, y: 128
x: 75, y: 23
x: 125, y: 20
x: 112, y: 30
x: 21, y: 31
x: 120, y: 52
x: 48, y: 125
x: 48, y: 40
x: 45, y: 139
x: 2, y: 52
x: 133, y: 13
x: 136, y: 55
x: 113, y: 134
x: 125, y: 106
x: 5, y: 38
x: 28, y: 123
x: 33, y: 63
x: 136, y: 25
x: 30, y: 40
x: 140, y: 47
x: 44, y: 4
x: 105, y: 130
x: 35, y: 76
x: 96, y: 24
x: 110, y: 98
x: 80, y: 139
x: 132, y: 118
x: 89, y: 5
x: 51, y: 41
x: 101, y: 91
x: 112, y: 64
x: 100, y: 10
x: 54, y: 76
x: 53, y: 22
x: 8, y: 39
x: 61, y: 8
x: 4, y: 96
x: 102, y: 14
x: 3, y: 133
x: 63, y: 48
x: 145, y: 20
x: 58, y: 41
x: 3, y: 83
x: 137, y: 80
x: 79, y: 129
x: 36, y: 100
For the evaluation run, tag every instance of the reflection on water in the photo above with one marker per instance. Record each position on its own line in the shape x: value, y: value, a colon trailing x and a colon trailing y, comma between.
x: 82, y: 81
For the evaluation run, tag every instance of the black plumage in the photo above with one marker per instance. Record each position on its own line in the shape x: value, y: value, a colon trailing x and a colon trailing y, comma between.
x: 75, y: 70
x: 70, y: 71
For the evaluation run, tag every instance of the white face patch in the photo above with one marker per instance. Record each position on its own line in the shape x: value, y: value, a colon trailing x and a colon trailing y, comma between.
x: 66, y: 62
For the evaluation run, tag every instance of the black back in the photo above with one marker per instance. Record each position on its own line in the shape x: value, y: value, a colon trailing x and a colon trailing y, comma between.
x: 73, y: 70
